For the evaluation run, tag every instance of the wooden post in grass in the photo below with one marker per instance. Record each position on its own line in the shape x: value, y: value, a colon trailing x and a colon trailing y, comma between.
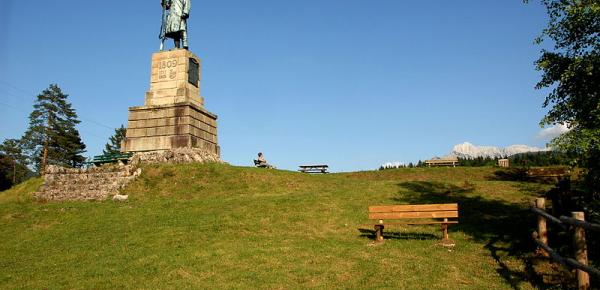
x: 580, y: 246
x: 540, y: 203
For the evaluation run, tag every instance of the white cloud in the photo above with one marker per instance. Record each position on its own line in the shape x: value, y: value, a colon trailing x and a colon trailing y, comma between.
x: 550, y: 133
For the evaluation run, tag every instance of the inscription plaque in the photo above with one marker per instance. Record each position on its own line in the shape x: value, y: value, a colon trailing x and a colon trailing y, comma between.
x: 167, y: 69
x: 194, y: 72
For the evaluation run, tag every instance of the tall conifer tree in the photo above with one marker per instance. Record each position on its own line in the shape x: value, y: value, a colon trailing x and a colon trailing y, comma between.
x: 52, y: 137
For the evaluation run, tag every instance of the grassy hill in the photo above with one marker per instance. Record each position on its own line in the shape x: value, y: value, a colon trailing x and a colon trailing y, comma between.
x: 218, y: 226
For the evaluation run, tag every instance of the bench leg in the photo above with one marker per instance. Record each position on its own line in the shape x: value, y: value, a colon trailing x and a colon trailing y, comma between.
x: 445, y: 232
x: 445, y: 238
x: 378, y: 233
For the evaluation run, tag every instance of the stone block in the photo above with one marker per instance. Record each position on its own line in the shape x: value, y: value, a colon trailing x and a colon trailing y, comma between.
x: 185, y: 120
x: 169, y: 73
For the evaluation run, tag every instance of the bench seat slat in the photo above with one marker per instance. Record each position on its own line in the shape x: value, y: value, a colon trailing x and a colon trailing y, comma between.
x: 413, y: 208
x: 415, y: 215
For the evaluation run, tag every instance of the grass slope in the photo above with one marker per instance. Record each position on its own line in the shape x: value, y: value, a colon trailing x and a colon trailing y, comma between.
x: 219, y: 226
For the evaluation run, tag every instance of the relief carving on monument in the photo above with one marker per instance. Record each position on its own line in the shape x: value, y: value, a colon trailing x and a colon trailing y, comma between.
x: 168, y: 68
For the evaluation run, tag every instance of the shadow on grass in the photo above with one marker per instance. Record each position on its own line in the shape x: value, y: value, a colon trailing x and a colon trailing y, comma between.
x: 504, y: 227
x: 394, y: 235
x: 521, y: 175
x: 510, y: 174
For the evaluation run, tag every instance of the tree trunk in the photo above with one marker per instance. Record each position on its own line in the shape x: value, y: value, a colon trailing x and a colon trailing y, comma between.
x: 45, y: 155
x: 14, y: 181
x: 44, y: 158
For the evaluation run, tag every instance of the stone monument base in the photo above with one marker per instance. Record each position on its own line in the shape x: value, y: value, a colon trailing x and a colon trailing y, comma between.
x: 170, y: 126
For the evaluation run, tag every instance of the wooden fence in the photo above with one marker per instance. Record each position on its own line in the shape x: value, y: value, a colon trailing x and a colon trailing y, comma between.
x: 579, y: 225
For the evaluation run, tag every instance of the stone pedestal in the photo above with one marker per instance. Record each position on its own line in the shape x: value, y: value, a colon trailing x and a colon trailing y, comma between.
x: 173, y: 115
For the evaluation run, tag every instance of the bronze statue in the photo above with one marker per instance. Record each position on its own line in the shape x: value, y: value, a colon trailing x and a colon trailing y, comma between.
x: 174, y: 22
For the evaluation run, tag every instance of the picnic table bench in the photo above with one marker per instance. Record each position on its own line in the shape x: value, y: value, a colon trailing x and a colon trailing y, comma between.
x: 111, y: 158
x: 553, y: 173
x: 548, y: 172
x: 414, y: 214
x: 313, y: 168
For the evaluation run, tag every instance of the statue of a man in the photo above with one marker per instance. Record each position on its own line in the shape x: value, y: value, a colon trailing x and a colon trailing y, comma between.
x: 174, y: 24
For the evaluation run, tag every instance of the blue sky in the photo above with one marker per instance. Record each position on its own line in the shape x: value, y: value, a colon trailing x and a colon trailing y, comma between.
x: 350, y: 83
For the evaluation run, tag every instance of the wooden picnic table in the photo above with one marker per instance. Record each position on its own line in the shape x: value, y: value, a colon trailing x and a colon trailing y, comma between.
x: 314, y: 168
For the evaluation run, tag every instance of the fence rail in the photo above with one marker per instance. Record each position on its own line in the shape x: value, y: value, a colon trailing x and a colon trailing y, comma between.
x: 578, y: 225
x: 549, y: 217
x: 565, y: 261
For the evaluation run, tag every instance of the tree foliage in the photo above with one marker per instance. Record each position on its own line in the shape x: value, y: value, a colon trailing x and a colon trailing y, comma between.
x: 13, y: 164
x: 114, y: 142
x: 6, y: 168
x: 572, y: 70
x: 544, y: 158
x: 52, y: 137
x: 478, y: 161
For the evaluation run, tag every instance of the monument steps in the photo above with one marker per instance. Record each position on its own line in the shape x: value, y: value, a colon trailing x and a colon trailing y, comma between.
x: 96, y: 183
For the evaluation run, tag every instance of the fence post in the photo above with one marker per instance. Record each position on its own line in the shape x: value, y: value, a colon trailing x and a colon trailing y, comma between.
x: 580, y: 246
x: 540, y: 203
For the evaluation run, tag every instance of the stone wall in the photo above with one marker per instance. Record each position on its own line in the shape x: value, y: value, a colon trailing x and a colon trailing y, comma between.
x: 100, y: 183
x: 95, y: 183
x: 179, y: 155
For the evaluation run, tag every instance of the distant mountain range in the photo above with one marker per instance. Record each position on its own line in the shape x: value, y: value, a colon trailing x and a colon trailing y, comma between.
x: 468, y: 150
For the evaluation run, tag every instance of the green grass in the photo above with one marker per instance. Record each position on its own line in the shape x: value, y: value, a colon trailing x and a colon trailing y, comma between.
x: 21, y: 193
x: 218, y: 226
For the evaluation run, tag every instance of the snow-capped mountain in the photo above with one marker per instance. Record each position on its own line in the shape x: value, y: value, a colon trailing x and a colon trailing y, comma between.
x: 468, y: 150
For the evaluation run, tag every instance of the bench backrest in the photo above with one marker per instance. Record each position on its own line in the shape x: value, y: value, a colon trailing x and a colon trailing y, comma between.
x: 413, y: 211
x: 110, y: 158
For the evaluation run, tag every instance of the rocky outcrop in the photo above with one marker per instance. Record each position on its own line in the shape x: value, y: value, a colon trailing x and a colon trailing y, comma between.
x: 95, y: 183
x: 179, y: 155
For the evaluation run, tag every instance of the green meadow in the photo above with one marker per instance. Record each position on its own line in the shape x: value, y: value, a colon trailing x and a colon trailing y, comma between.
x: 220, y: 227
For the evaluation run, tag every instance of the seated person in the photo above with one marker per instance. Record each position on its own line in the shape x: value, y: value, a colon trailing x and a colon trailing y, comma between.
x: 262, y: 162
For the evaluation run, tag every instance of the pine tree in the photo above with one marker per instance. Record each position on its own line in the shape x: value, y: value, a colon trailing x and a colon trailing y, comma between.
x: 52, y: 137
x: 114, y: 142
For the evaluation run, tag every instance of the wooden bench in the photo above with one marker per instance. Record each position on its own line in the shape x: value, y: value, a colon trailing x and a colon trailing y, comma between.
x: 313, y: 168
x: 414, y: 214
x: 111, y: 158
